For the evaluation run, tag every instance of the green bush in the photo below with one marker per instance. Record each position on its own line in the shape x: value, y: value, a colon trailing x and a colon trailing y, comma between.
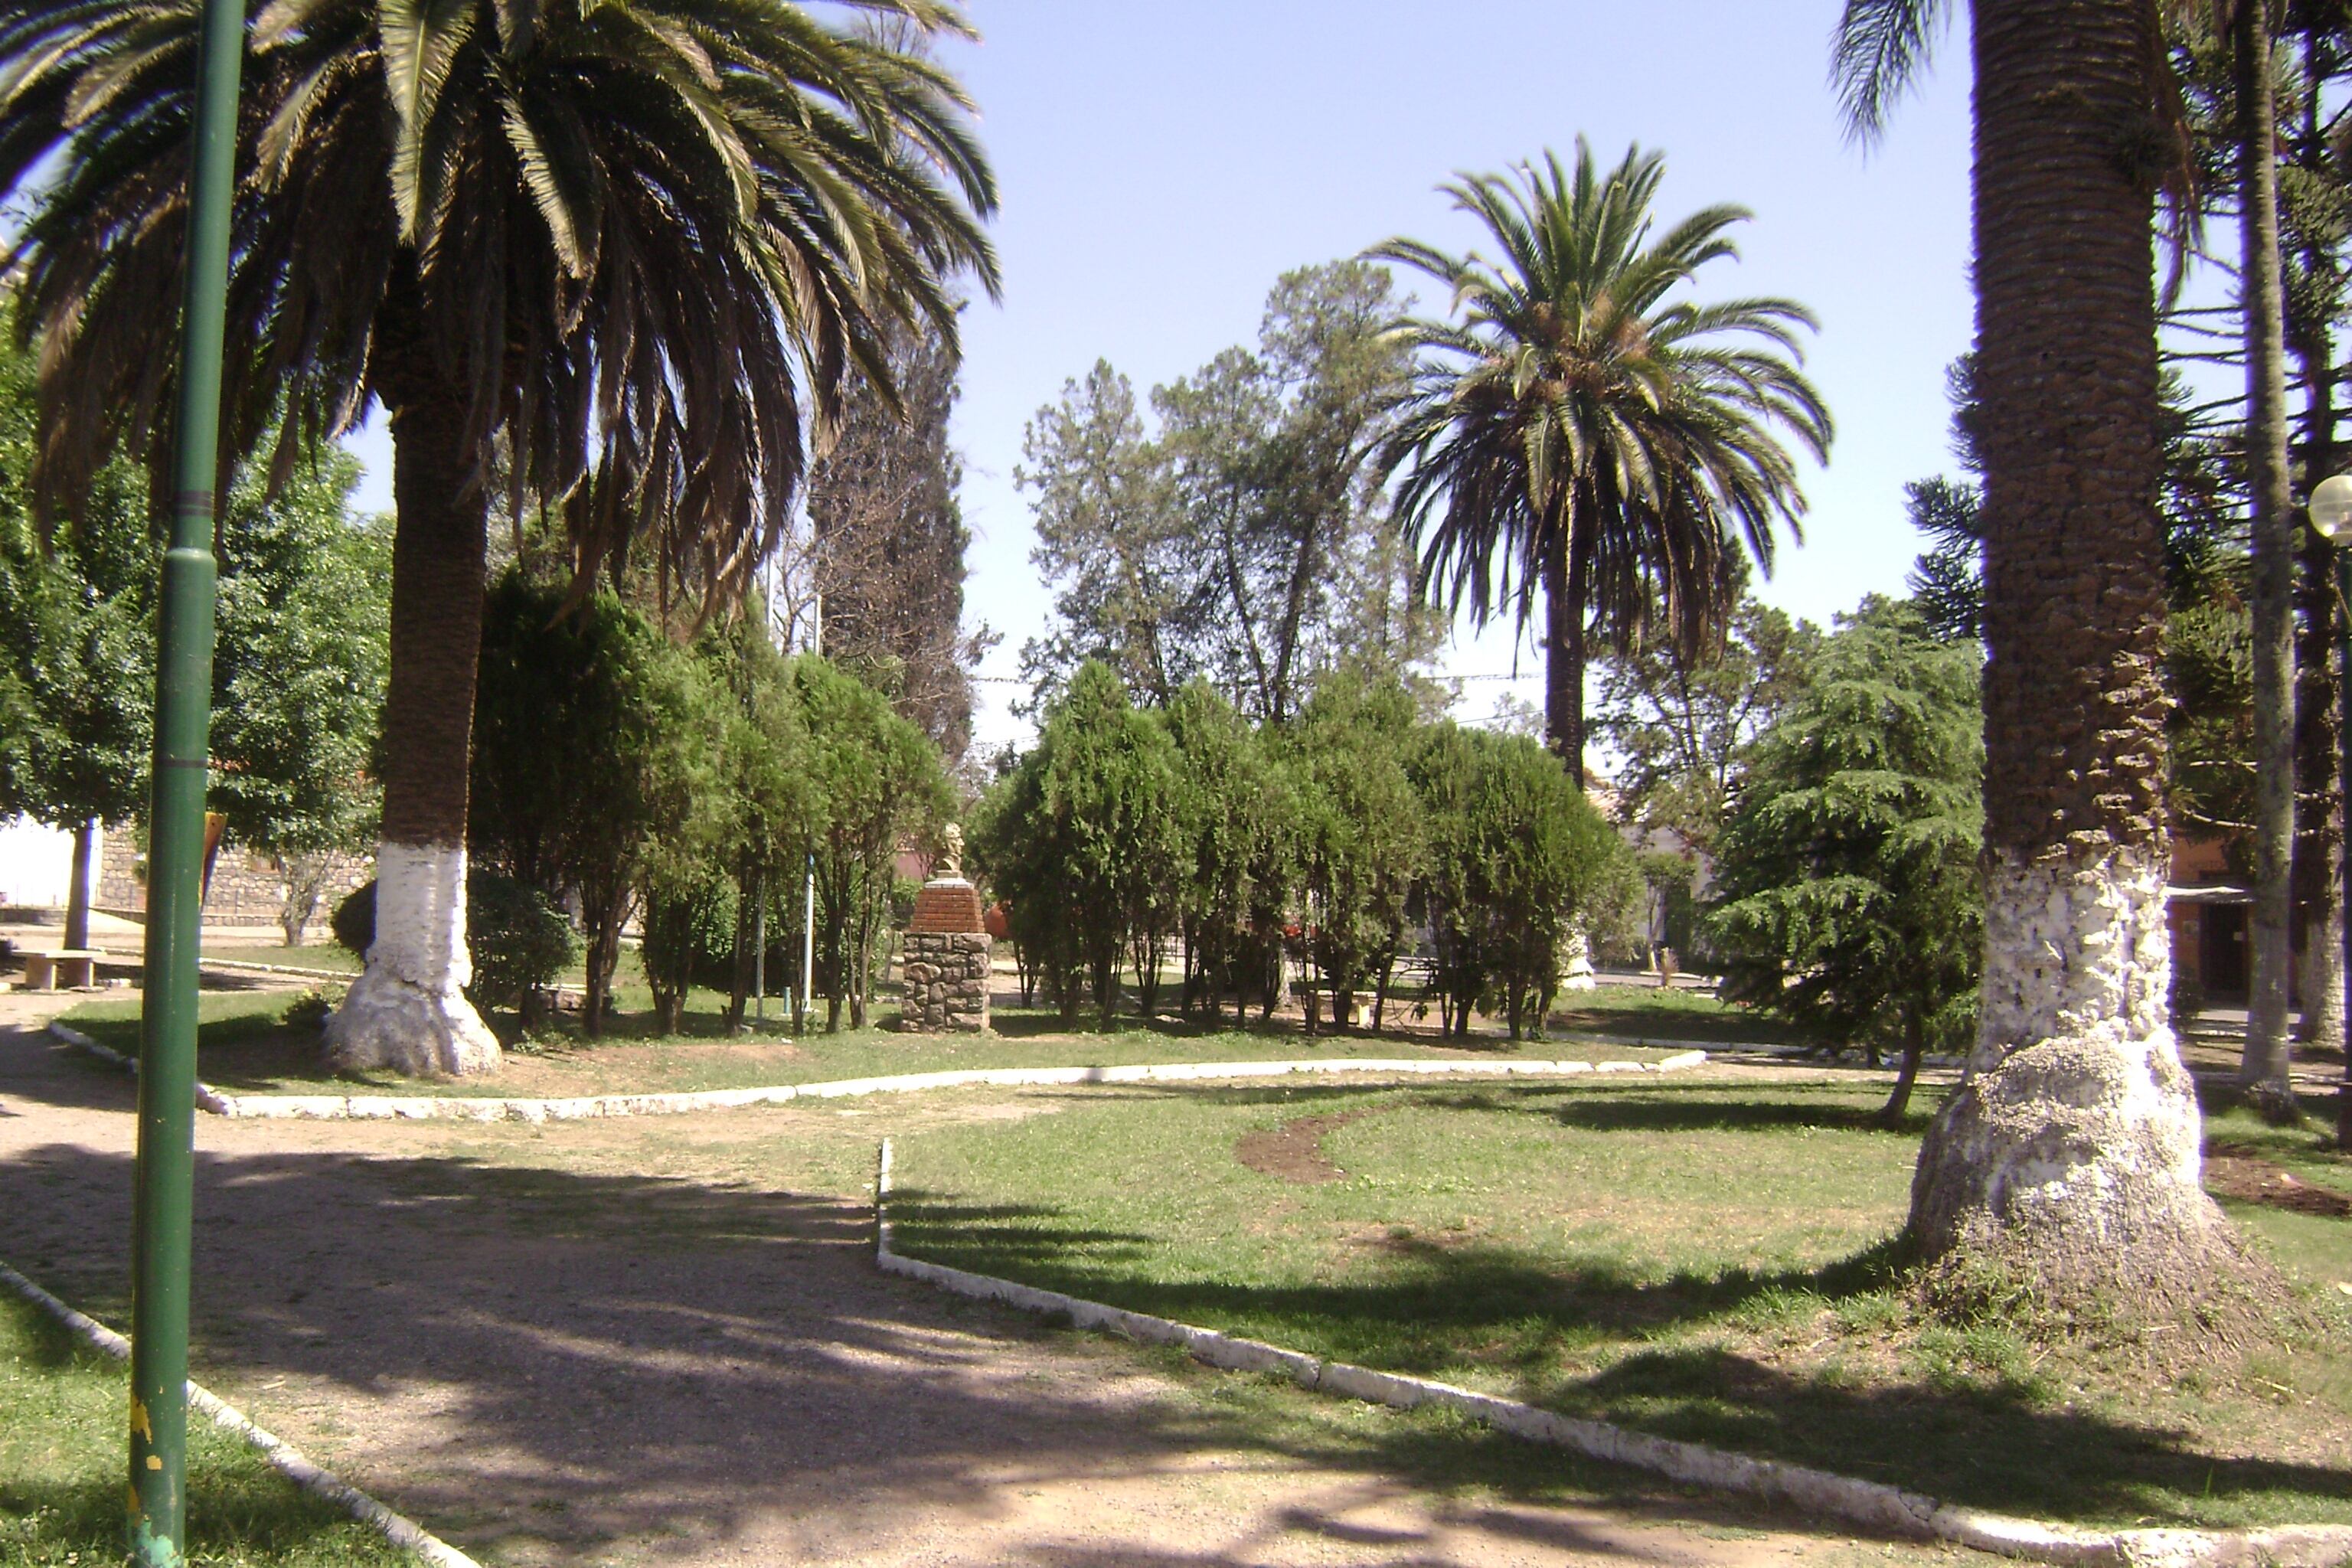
x: 517, y: 940
x: 309, y: 1010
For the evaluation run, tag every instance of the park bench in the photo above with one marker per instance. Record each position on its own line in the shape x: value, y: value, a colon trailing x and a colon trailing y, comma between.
x: 61, y: 968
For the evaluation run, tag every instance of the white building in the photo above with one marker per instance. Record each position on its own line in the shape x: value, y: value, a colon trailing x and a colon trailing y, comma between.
x: 37, y: 864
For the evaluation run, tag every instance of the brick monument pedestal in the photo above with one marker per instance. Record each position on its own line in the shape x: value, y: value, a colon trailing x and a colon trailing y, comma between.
x: 946, y: 969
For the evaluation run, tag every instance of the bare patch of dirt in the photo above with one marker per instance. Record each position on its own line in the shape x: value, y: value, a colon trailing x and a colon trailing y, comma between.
x: 1294, y: 1150
x: 2233, y: 1173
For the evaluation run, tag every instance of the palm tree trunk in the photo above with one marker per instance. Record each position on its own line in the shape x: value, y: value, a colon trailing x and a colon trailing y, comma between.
x: 408, y: 1012
x: 2262, y: 1071
x: 2071, y: 1149
x: 1564, y: 656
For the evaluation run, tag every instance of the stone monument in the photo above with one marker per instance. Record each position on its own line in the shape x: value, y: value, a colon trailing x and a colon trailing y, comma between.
x: 946, y: 967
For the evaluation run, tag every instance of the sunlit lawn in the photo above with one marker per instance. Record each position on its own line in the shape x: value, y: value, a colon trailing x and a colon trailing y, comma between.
x: 1698, y: 1259
x: 62, y: 1472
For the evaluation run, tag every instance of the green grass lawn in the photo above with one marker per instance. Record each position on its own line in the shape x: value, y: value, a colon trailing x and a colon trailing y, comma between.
x: 62, y: 1472
x: 1699, y: 1259
x: 243, y: 1046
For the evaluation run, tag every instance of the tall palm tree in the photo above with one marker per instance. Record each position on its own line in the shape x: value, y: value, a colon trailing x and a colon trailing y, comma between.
x: 605, y: 257
x: 1582, y: 428
x: 2073, y: 1141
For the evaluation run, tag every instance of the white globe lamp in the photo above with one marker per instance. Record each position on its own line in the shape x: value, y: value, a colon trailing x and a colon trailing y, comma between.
x: 2331, y: 508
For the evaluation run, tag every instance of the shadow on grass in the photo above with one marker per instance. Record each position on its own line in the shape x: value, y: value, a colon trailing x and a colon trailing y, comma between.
x: 1613, y: 1104
x: 1752, y: 1107
x: 1998, y: 1444
x: 1432, y: 1309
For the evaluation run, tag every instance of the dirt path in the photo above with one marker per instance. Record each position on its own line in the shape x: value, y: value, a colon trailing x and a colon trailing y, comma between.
x: 550, y: 1352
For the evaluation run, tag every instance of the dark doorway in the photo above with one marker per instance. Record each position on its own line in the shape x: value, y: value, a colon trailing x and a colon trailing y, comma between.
x: 2223, y: 950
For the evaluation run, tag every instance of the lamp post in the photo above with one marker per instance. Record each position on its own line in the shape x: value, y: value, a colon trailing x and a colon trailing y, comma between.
x: 164, y: 1177
x: 2331, y: 514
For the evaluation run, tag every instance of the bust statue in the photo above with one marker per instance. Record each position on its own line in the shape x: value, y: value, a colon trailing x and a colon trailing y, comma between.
x: 950, y: 862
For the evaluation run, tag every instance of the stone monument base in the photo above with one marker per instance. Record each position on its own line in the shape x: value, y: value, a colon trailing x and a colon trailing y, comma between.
x: 946, y: 976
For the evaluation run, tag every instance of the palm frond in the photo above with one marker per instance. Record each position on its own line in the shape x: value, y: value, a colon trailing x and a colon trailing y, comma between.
x: 1877, y: 54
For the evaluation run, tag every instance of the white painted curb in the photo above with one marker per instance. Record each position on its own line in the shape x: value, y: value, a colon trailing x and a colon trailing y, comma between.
x: 1819, y: 1492
x: 469, y: 1107
x: 333, y: 976
x: 280, y: 1454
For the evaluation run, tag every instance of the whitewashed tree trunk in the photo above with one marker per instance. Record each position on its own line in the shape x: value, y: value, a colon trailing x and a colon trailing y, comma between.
x: 408, y: 1013
x: 1576, y: 962
x: 2075, y: 1131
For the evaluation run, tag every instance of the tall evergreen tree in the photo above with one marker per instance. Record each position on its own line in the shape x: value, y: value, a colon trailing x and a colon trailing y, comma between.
x: 1846, y: 878
x: 890, y: 559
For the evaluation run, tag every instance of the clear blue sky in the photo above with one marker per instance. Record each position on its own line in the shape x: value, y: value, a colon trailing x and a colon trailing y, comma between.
x: 1161, y: 164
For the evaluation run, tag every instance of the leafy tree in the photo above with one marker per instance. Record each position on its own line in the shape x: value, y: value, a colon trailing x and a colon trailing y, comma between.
x: 1846, y: 882
x: 625, y: 252
x: 1580, y: 432
x: 77, y: 618
x: 1082, y: 841
x: 1517, y: 861
x: 689, y: 923
x: 1107, y: 534
x: 1683, y: 725
x: 597, y: 735
x: 1237, y: 813
x: 877, y: 781
x: 1240, y: 536
x: 770, y: 802
x: 298, y: 671
x: 2069, y: 1149
x: 1362, y: 841
x: 1016, y: 851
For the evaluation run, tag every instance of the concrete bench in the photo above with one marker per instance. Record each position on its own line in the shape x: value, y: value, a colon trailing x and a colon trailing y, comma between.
x: 61, y: 969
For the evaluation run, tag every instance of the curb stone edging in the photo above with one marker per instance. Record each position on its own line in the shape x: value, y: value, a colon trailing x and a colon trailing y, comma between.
x: 582, y: 1108
x: 1871, y: 1504
x: 207, y: 1097
x: 338, y: 977
x: 278, y: 1454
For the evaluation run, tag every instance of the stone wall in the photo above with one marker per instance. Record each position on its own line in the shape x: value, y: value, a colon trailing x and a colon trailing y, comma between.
x: 946, y: 978
x: 246, y: 888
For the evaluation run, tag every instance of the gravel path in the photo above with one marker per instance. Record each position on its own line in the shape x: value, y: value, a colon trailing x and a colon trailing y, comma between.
x: 544, y: 1348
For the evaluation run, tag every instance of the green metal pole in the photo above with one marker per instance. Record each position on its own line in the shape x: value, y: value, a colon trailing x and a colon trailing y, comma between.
x: 184, y: 687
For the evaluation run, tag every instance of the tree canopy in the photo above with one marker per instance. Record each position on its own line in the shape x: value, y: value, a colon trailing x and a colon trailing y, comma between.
x: 1846, y: 882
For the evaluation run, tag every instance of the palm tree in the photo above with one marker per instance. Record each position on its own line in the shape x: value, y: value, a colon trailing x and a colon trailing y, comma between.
x: 1580, y: 429
x: 604, y: 259
x: 2072, y: 1144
